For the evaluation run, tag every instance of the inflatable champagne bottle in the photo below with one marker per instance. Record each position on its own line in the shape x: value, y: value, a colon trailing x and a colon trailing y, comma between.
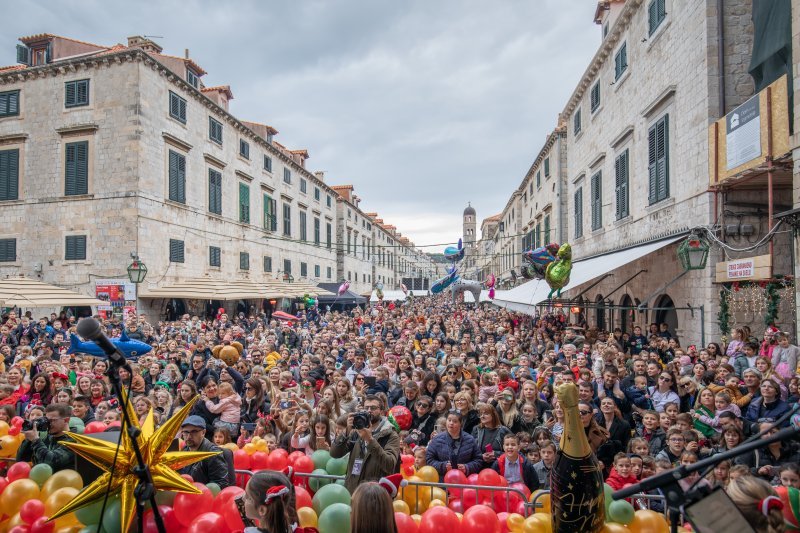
x: 576, y: 481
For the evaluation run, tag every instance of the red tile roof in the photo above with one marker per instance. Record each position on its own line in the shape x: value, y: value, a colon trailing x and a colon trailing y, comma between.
x: 223, y: 89
x: 43, y: 36
x: 342, y: 187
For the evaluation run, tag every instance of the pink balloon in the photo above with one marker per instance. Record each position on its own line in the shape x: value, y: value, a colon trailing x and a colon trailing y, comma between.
x: 31, y: 511
x: 41, y: 525
x: 18, y: 471
x: 94, y: 427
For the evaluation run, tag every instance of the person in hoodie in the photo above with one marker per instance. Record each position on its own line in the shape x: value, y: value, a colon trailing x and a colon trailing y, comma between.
x: 229, y: 408
x: 621, y: 473
x: 513, y: 466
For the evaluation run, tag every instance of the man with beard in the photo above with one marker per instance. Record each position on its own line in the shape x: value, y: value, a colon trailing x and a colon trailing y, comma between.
x: 374, y: 451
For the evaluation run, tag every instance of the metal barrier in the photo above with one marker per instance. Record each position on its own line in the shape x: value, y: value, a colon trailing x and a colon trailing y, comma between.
x: 460, y: 492
x: 643, y: 497
x: 242, y: 477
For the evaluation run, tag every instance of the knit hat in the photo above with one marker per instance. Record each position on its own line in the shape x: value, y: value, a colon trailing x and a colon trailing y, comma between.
x: 392, y: 483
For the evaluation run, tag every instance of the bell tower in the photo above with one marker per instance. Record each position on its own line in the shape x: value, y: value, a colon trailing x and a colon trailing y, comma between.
x: 469, y: 229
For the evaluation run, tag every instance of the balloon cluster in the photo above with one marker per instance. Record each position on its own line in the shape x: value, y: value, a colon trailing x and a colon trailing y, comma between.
x: 622, y: 518
x: 309, y: 300
x: 28, y: 496
x: 10, y: 437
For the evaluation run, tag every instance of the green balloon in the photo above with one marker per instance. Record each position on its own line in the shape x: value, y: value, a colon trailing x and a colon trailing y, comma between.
x: 90, y: 514
x: 607, y: 492
x: 112, y: 518
x: 337, y: 467
x: 89, y: 528
x: 340, y: 482
x: 165, y: 497
x: 321, y: 458
x: 41, y: 473
x: 621, y: 511
x: 335, y: 519
x: 315, y: 482
x: 329, y: 495
x: 214, y: 488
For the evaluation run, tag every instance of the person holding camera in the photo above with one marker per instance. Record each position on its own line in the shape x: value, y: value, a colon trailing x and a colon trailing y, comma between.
x: 48, y: 450
x: 371, y: 441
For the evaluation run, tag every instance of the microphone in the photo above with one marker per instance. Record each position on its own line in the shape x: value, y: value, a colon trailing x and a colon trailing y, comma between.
x: 90, y: 330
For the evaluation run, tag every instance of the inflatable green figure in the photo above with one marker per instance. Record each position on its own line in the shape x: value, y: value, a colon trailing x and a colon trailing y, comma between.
x: 557, y: 273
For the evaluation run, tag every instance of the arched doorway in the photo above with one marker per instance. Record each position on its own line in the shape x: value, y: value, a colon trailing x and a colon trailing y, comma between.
x: 174, y: 308
x: 601, y: 312
x: 626, y: 316
x: 665, y: 313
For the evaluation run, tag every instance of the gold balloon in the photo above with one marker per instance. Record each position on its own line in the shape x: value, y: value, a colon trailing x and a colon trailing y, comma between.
x: 60, y: 480
x: 543, y: 500
x: 307, y: 517
x: 646, y: 521
x: 3, y: 428
x: 9, y: 445
x: 428, y: 474
x: 16, y: 520
x: 416, y: 518
x: 416, y: 497
x: 58, y: 499
x: 611, y: 527
x: 515, y: 522
x: 439, y: 494
x: 250, y: 448
x: 538, y: 523
x: 122, y: 481
x: 17, y: 493
x: 400, y: 506
x: 436, y: 503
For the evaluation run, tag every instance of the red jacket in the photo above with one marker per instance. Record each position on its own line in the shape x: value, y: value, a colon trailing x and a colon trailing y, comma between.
x: 508, y: 384
x: 616, y: 481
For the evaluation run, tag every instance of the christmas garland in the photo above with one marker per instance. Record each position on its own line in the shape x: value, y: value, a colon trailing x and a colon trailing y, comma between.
x: 724, y: 315
x: 773, y: 299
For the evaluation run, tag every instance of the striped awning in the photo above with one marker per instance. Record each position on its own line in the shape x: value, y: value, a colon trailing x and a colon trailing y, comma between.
x: 207, y: 288
x: 20, y: 291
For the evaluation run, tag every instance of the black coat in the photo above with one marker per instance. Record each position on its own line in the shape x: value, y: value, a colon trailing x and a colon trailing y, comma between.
x: 620, y: 433
x: 529, y: 475
x: 215, y: 469
x: 494, y: 437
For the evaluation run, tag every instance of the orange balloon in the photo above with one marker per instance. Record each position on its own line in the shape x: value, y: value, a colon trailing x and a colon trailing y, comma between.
x: 17, y: 493
x: 542, y: 497
x: 59, y: 499
x: 401, y: 507
x: 646, y: 521
x: 9, y: 445
x: 612, y: 527
x: 515, y: 522
x: 4, y: 427
x: 307, y: 517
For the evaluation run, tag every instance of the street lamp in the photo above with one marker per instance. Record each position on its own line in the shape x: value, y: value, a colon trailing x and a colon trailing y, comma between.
x: 137, y: 270
x: 693, y: 252
x: 288, y: 278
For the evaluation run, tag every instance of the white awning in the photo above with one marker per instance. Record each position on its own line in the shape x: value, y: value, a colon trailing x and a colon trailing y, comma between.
x: 524, y: 298
x: 19, y: 291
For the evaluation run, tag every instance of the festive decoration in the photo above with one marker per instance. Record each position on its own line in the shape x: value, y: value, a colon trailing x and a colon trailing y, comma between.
x: 229, y: 351
x: 490, y: 284
x: 461, y: 285
x: 154, y: 445
x: 724, y: 315
x: 538, y: 260
x: 772, y: 301
x: 131, y: 349
x: 454, y: 253
x: 557, y: 273
x: 402, y: 416
x: 343, y: 288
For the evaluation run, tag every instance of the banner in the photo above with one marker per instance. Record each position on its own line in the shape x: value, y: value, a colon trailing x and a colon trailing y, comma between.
x: 120, y: 295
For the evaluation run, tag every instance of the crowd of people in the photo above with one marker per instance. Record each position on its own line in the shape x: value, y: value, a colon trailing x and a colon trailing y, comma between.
x: 478, y: 381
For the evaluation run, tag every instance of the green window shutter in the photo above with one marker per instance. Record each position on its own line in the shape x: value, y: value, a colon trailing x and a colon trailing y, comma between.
x: 576, y: 121
x: 9, y: 103
x: 23, y: 54
x: 244, y: 203
x: 652, y: 16
x: 214, y: 191
x: 177, y: 107
x: 215, y: 130
x: 267, y: 263
x: 329, y: 236
x: 621, y: 185
x: 177, y: 177
x: 244, y: 261
x: 303, y: 226
x: 316, y: 231
x: 69, y: 94
x: 595, y: 97
x: 651, y: 166
x: 75, y: 248
x: 9, y: 174
x: 597, y: 198
x: 303, y: 270
x: 578, y: 212
x: 76, y: 168
x: 546, y: 167
x: 8, y: 250
x: 662, y: 157
x: 214, y: 256
x: 621, y: 61
x: 176, y: 251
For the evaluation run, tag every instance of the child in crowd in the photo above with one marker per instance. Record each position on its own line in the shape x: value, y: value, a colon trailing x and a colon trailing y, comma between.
x: 229, y: 408
x: 636, y: 465
x: 301, y: 436
x: 638, y: 395
x: 514, y: 467
x: 621, y: 474
x: 419, y: 457
x: 722, y: 404
x: 112, y: 415
x: 676, y: 443
x: 789, y: 474
x: 488, y: 387
x: 547, y: 450
x: 737, y: 471
x: 651, y: 432
x: 532, y: 453
x: 222, y: 436
x: 639, y: 446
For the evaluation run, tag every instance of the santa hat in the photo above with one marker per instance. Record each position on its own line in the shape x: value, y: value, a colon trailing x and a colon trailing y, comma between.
x: 392, y: 483
x: 289, y: 472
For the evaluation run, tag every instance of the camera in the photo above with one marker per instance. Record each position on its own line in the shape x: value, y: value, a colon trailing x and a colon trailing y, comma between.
x: 42, y: 424
x: 361, y: 420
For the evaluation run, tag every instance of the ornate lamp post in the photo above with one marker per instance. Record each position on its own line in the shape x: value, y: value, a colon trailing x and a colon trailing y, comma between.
x: 137, y: 270
x: 693, y: 252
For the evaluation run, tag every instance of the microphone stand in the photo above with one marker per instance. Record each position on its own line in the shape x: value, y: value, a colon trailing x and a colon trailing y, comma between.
x: 145, y: 488
x: 668, y: 481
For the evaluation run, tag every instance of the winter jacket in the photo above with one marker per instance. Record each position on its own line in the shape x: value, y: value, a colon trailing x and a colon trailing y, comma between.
x: 713, y: 421
x: 740, y: 363
x: 637, y: 397
x: 758, y: 409
x: 229, y: 409
x: 763, y: 457
x: 381, y: 457
x: 494, y: 437
x: 616, y: 481
x: 47, y: 450
x: 738, y: 397
x: 656, y: 440
x: 443, y: 450
x: 471, y: 421
x: 249, y: 412
x: 528, y: 473
x: 215, y: 469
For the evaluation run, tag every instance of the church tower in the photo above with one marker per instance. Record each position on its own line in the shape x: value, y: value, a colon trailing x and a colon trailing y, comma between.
x: 470, y: 224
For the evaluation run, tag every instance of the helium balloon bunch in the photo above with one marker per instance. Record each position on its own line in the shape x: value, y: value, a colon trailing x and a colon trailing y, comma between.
x: 29, y: 496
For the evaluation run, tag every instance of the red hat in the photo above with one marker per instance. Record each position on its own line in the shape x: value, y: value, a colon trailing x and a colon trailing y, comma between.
x: 289, y: 472
x: 392, y: 483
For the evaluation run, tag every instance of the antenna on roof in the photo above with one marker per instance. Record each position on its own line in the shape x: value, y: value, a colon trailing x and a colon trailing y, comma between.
x: 153, y: 36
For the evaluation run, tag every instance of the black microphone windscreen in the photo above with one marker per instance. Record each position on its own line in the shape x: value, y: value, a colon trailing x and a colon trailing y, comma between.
x: 89, y: 329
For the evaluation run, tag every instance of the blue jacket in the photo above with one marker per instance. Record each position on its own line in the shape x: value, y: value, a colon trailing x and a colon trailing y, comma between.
x: 758, y: 409
x: 442, y: 446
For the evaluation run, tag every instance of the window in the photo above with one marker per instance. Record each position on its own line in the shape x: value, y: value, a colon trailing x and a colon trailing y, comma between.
x: 244, y: 148
x: 214, y: 191
x: 303, y: 185
x: 656, y: 12
x: 349, y: 246
x: 658, y: 160
x: 9, y: 174
x: 594, y: 97
x: 244, y: 261
x: 9, y: 103
x: 578, y: 213
x: 328, y: 235
x: 620, y: 61
x: 546, y: 168
x: 267, y: 163
x: 244, y: 203
x: 192, y: 78
x: 287, y: 220
x: 287, y: 175
x: 328, y: 272
x: 287, y: 266
x: 215, y: 130
x: 621, y: 185
x: 316, y: 231
x: 576, y: 122
x: 597, y: 201
x: 316, y: 193
x: 177, y: 177
x: 76, y: 168
x: 176, y: 254
x: 270, y: 215
x: 303, y: 270
x: 538, y: 180
x: 214, y: 256
x: 8, y: 250
x: 316, y: 271
x: 76, y: 93
x: 328, y: 200
x: 75, y: 248
x: 303, y: 226
x: 267, y: 263
x: 177, y: 107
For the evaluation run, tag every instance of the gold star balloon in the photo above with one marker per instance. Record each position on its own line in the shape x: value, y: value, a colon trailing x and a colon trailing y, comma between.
x: 123, y: 480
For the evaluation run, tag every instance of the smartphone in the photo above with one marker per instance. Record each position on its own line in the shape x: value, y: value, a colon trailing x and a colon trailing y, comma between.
x: 249, y: 427
x: 489, y: 448
x: 320, y: 441
x: 370, y: 380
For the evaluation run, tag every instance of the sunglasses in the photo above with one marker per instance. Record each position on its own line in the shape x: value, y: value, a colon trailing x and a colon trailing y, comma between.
x: 584, y: 413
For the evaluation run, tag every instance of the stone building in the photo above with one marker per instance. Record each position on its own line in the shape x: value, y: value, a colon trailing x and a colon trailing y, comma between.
x: 108, y: 151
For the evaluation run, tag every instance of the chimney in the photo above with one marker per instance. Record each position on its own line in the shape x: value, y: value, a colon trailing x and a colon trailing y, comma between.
x: 137, y: 41
x: 186, y: 53
x: 320, y: 174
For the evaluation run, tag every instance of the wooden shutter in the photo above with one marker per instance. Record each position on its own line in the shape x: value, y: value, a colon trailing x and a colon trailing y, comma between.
x: 9, y: 174
x: 244, y: 261
x: 214, y: 256
x: 69, y: 94
x: 177, y: 177
x: 214, y: 191
x: 76, y: 168
x: 579, y: 212
x: 82, y: 92
x: 23, y: 54
x: 621, y: 185
x: 244, y: 203
x: 651, y: 166
x: 652, y: 16
x: 267, y: 263
x: 662, y: 157
x: 9, y: 103
x: 597, y: 194
x: 176, y: 253
x: 8, y: 250
x: 75, y: 248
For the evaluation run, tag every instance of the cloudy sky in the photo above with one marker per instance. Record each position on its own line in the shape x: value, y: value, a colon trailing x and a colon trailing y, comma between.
x: 422, y: 105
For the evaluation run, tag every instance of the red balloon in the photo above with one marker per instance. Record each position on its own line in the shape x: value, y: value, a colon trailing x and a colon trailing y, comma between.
x: 277, y: 460
x: 489, y: 477
x: 502, y: 519
x: 241, y: 461
x: 167, y: 516
x: 14, y: 430
x: 469, y: 498
x: 225, y: 498
x: 438, y: 519
x: 456, y: 506
x: 207, y: 523
x: 17, y: 421
x: 472, y: 479
x: 294, y: 456
x: 408, y: 470
x: 304, y: 465
x: 405, y: 524
x: 456, y: 477
x: 94, y: 427
x: 258, y: 461
x: 23, y: 528
x: 480, y: 519
x: 407, y: 459
x: 41, y: 525
x: 402, y: 416
x: 233, y: 520
x: 31, y: 510
x: 114, y: 424
x: 18, y: 471
x: 302, y: 497
x: 187, y: 507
